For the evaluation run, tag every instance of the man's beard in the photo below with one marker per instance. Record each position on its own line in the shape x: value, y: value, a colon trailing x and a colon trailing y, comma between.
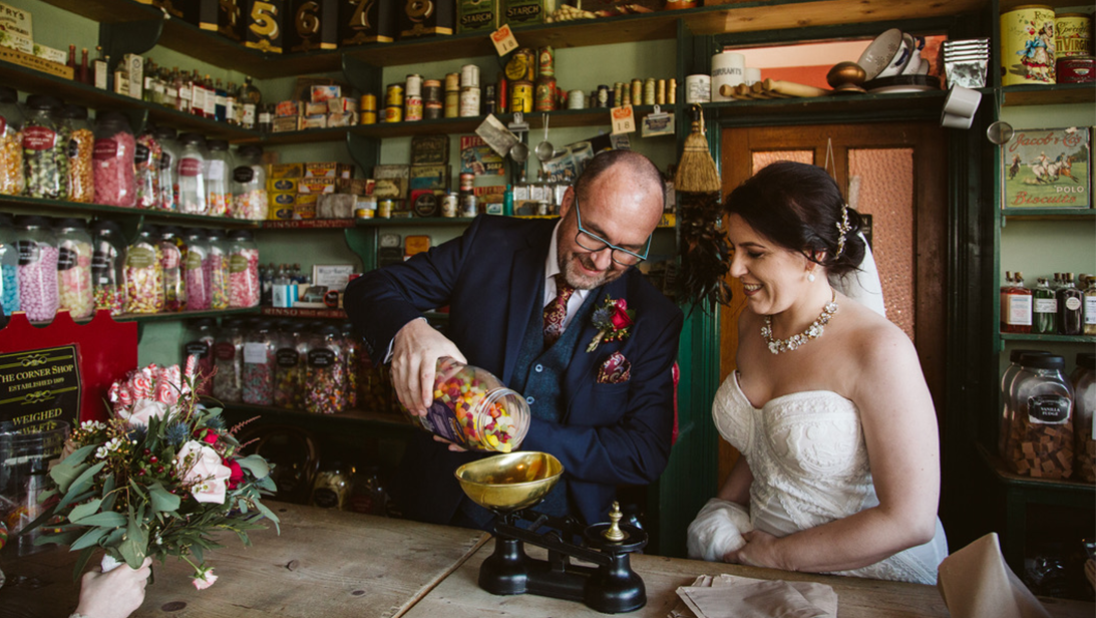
x: 582, y: 281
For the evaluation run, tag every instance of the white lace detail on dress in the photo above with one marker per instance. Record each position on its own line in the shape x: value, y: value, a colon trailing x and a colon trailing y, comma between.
x: 810, y: 466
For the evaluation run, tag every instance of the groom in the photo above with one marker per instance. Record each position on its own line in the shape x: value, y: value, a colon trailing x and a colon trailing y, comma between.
x: 522, y: 295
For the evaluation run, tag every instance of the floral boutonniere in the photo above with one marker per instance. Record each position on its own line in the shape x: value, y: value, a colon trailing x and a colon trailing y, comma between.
x: 613, y: 321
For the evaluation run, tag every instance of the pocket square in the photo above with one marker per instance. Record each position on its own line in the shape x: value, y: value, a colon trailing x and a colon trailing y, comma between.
x: 615, y: 370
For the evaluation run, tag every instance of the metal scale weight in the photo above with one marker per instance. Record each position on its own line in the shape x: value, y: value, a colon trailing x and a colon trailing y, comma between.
x: 509, y: 484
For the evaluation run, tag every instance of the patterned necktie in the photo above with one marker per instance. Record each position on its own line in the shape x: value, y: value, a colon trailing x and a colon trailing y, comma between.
x: 556, y: 311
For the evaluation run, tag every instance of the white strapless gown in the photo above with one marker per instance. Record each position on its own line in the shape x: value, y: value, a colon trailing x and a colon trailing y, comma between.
x: 810, y: 466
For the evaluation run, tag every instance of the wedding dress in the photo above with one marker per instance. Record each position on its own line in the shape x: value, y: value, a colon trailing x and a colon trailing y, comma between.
x: 809, y: 462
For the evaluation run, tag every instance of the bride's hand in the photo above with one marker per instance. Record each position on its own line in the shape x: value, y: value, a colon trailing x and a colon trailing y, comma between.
x: 759, y: 551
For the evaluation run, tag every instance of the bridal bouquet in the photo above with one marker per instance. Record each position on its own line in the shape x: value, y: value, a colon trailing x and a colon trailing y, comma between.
x: 157, y: 479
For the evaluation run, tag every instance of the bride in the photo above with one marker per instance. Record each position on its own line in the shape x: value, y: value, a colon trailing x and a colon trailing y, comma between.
x: 840, y: 466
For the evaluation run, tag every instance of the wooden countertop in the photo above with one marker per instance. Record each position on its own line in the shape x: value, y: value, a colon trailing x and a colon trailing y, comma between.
x: 334, y: 564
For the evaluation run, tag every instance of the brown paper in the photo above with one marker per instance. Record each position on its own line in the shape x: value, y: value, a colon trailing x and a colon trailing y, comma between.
x: 976, y: 583
x: 728, y: 596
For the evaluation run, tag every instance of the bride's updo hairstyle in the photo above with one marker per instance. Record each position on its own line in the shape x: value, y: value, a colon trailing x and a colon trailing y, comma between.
x: 799, y: 207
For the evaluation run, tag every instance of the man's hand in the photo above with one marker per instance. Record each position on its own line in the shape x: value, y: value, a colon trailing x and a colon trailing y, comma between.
x: 415, y: 353
x: 113, y: 595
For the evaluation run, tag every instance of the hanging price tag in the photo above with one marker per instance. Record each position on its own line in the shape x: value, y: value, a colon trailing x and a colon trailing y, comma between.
x: 624, y: 119
x: 504, y: 40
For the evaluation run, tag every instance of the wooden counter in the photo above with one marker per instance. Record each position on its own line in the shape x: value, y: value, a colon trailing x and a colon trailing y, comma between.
x: 334, y: 564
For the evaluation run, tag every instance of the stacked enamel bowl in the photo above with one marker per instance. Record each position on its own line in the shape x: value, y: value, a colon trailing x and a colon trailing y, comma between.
x: 893, y: 63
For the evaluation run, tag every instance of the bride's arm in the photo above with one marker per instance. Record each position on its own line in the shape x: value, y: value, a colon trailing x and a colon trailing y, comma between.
x: 737, y: 486
x: 899, y: 424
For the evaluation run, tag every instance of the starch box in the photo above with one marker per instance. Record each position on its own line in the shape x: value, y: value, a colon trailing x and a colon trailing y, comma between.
x: 1047, y: 168
x: 523, y: 12
x: 477, y: 15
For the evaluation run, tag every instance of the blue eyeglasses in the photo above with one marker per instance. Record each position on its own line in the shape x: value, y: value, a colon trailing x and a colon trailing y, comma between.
x: 594, y: 243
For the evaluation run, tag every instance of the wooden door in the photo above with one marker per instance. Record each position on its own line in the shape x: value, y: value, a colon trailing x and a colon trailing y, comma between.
x: 895, y: 172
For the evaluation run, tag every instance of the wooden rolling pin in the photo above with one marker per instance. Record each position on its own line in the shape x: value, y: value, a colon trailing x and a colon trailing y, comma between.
x: 741, y: 91
x: 759, y: 90
x: 793, y: 89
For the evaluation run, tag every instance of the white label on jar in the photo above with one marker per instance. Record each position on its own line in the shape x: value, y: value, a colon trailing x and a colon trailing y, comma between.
x: 216, y: 171
x: 1073, y: 303
x: 184, y: 93
x: 1090, y: 309
x: 321, y: 358
x: 29, y: 252
x: 1019, y: 310
x: 1046, y: 305
x: 1049, y: 409
x: 190, y: 166
x: 38, y: 138
x: 255, y: 353
x: 140, y: 257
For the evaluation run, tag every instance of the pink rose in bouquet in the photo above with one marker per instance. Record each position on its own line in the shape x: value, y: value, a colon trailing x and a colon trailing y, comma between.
x: 200, y: 467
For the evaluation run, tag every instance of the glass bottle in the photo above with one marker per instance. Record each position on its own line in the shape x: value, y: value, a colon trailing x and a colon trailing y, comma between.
x: 194, y: 270
x: 231, y: 105
x: 169, y: 168
x: 325, y: 372
x: 1016, y: 305
x: 1045, y: 307
x: 108, y: 258
x: 144, y: 273
x: 249, y: 199
x: 198, y: 95
x: 171, y: 89
x: 1041, y: 443
x: 243, y: 271
x: 74, y: 255
x: 173, y: 256
x: 251, y: 93
x: 216, y: 267
x: 190, y: 174
x: 11, y: 143
x: 83, y: 75
x: 115, y: 150
x: 199, y: 346
x: 291, y: 356
x: 331, y: 489
x: 183, y: 83
x: 228, y: 361
x: 257, y: 375
x: 146, y: 166
x: 218, y: 168
x: 45, y: 157
x: 1084, y: 434
x: 9, y: 265
x: 368, y: 495
x: 37, y: 269
x: 1070, y: 307
x: 1089, y: 304
x: 81, y: 149
x: 266, y: 118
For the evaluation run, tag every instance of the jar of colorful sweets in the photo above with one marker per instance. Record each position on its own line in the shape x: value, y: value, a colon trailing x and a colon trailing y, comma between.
x: 81, y: 148
x: 74, y: 254
x: 115, y: 149
x: 218, y: 168
x: 257, y: 376
x: 190, y: 175
x: 11, y: 143
x: 228, y: 350
x: 9, y: 266
x: 146, y: 169
x: 37, y: 270
x: 45, y: 156
x: 243, y: 271
x: 216, y: 267
x: 108, y: 259
x: 324, y: 387
x: 194, y: 272
x: 290, y: 357
x: 249, y: 199
x: 144, y: 273
x: 173, y: 256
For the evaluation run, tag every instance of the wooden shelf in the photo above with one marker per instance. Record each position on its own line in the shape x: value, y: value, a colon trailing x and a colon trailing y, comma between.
x: 844, y: 103
x: 1058, y: 214
x: 791, y: 14
x: 308, y: 224
x: 1016, y: 481
x: 60, y: 207
x: 414, y: 222
x: 168, y: 317
x: 382, y: 420
x: 1048, y: 338
x: 37, y: 82
x: 1061, y: 94
x: 285, y: 312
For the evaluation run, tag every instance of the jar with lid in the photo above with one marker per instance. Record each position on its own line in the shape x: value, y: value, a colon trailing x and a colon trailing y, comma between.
x: 1089, y: 309
x: 37, y: 269
x: 146, y: 166
x: 257, y: 373
x: 368, y: 495
x: 45, y: 157
x: 325, y: 372
x: 216, y: 269
x: 173, y: 256
x: 243, y: 271
x: 1008, y: 377
x: 218, y: 167
x: 169, y: 163
x: 331, y: 489
x: 1041, y: 436
x: 228, y: 348
x: 194, y: 274
x: 81, y: 149
x: 74, y: 254
x: 115, y: 149
x: 1045, y: 308
x: 190, y: 175
x: 11, y: 143
x: 1084, y: 397
x: 472, y: 408
x: 352, y: 345
x: 249, y: 199
x: 290, y: 359
x: 198, y: 349
x: 144, y: 273
x: 108, y: 258
x: 9, y: 266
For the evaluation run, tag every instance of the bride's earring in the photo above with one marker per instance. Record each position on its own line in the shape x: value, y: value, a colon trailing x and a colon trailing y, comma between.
x: 810, y: 277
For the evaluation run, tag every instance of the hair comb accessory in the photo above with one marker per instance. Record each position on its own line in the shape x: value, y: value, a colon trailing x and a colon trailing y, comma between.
x: 843, y: 229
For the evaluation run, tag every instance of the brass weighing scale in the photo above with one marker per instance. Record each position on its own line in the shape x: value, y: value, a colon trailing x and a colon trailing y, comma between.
x: 508, y: 485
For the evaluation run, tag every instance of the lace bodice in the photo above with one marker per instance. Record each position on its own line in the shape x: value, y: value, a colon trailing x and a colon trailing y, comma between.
x: 810, y: 466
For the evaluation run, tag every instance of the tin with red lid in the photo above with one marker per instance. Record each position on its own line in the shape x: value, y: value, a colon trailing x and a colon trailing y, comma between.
x: 1076, y: 70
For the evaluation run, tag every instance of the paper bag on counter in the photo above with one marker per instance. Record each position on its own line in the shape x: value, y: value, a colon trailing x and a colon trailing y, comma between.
x: 976, y: 583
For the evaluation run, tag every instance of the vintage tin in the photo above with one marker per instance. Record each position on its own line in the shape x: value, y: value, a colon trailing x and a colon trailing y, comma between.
x: 467, y: 182
x: 469, y: 76
x: 544, y: 96
x: 419, y: 18
x: 521, y: 96
x: 432, y: 110
x: 366, y: 21
x: 384, y: 208
x: 393, y: 113
x: 660, y: 92
x: 449, y: 204
x: 468, y: 205
x: 393, y: 95
x: 477, y: 16
x: 431, y: 91
x: 1027, y: 48
x: 265, y: 24
x: 1076, y: 70
x: 424, y: 203
x: 523, y: 12
x: 502, y: 94
x: 546, y: 61
x: 412, y: 109
x: 413, y: 85
x: 576, y: 99
x: 452, y: 82
x: 521, y: 65
x: 452, y: 103
x: 1072, y: 35
x: 314, y: 24
x: 369, y: 103
x: 368, y: 118
x: 637, y: 90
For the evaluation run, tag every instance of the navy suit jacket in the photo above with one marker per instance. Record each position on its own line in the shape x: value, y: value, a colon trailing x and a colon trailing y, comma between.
x: 608, y: 434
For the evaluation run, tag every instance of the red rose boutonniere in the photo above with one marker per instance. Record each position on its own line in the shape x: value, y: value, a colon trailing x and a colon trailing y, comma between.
x: 613, y: 321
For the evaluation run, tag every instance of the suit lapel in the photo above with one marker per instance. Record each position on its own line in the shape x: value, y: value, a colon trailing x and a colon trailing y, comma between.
x: 580, y: 371
x: 526, y: 273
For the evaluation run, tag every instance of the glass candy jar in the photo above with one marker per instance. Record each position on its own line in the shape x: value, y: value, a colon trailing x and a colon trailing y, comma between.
x: 146, y: 169
x: 216, y: 269
x: 290, y: 359
x: 190, y: 175
x: 45, y: 157
x: 81, y: 149
x: 217, y: 171
x: 9, y: 266
x: 1084, y: 434
x: 257, y: 374
x: 37, y: 270
x: 1041, y: 437
x: 325, y: 372
x: 249, y: 199
x: 227, y: 362
x: 169, y: 164
x: 11, y: 143
x: 173, y: 256
x: 199, y: 347
x: 113, y: 160
x: 74, y: 255
x: 144, y: 273
x: 243, y: 271
x: 194, y: 271
x: 472, y: 408
x: 108, y: 258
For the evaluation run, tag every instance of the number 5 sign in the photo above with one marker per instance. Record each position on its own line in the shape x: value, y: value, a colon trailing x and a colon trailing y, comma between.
x: 264, y: 25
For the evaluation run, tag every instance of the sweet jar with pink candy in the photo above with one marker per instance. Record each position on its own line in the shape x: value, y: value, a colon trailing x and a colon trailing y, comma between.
x: 113, y: 160
x: 243, y: 271
x: 37, y: 270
